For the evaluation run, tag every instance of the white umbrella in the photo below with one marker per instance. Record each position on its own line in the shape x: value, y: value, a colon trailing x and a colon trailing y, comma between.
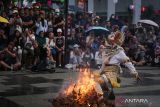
x: 150, y: 22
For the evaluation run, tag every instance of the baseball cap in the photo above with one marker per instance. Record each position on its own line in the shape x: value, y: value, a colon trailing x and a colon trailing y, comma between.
x: 59, y: 30
x: 15, y: 11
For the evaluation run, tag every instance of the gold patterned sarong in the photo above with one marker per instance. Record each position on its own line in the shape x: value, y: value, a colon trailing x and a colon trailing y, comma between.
x: 111, y: 72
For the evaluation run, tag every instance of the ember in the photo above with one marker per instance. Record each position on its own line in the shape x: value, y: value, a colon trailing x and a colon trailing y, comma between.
x: 84, y: 92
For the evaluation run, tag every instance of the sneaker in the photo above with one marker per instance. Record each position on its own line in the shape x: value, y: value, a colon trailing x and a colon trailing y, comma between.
x: 59, y: 65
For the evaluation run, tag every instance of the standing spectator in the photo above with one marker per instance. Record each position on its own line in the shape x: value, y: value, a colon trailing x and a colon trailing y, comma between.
x: 33, y: 16
x: 41, y: 24
x: 15, y: 21
x: 27, y: 19
x: 60, y: 45
x: 3, y: 39
x: 59, y: 22
x: 80, y: 20
x: 50, y: 20
x: 108, y: 25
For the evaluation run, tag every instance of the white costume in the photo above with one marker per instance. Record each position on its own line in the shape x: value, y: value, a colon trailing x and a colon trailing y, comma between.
x: 118, y: 58
x: 113, y: 56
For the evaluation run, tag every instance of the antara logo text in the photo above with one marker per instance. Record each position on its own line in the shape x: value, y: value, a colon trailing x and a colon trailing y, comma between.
x: 122, y: 100
x: 136, y: 101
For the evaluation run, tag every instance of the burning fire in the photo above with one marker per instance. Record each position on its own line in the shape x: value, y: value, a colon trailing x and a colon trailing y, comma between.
x: 83, y: 87
x: 84, y: 91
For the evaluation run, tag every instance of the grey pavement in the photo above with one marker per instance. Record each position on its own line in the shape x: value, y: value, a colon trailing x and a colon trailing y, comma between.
x: 142, y: 94
x: 28, y: 89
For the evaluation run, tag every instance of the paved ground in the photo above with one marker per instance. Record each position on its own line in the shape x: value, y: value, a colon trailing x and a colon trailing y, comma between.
x: 29, y: 89
x: 143, y: 94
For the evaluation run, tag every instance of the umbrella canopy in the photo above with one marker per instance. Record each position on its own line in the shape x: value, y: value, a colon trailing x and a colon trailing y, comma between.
x: 149, y: 22
x: 4, y: 20
x: 97, y: 30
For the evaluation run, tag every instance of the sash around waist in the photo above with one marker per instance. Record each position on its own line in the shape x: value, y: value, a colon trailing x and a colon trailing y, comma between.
x: 111, y: 68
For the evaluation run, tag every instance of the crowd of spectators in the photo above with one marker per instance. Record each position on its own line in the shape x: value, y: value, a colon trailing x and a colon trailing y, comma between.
x: 34, y: 39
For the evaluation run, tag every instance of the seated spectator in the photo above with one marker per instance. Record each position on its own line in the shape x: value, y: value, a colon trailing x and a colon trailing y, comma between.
x: 98, y: 56
x: 90, y: 39
x: 17, y: 37
x: 75, y: 56
x: 87, y: 57
x: 139, y: 58
x: 115, y: 28
x: 94, y: 46
x: 18, y: 41
x: 9, y: 59
x: 28, y: 50
x: 41, y: 40
x: 51, y: 63
x: 71, y: 40
x: 50, y: 42
x: 36, y: 59
x: 40, y: 63
x: 51, y: 51
x: 133, y: 46
x: 157, y: 51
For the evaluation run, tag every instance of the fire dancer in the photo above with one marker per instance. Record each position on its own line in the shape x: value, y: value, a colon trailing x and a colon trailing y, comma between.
x: 113, y: 57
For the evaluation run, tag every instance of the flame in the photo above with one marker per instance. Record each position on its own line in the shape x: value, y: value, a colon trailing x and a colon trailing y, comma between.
x: 83, y: 88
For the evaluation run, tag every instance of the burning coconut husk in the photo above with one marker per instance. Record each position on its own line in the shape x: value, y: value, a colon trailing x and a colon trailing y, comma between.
x: 85, y: 92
